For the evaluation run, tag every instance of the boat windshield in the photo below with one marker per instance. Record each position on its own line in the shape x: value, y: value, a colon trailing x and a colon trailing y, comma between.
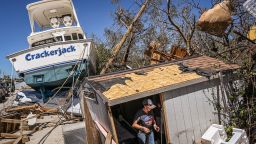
x: 67, y: 37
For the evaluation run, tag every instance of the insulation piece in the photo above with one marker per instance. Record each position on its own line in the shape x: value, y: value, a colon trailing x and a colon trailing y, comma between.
x: 216, y: 20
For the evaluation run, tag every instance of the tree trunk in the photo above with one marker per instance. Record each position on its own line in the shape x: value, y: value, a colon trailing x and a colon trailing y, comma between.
x: 117, y: 48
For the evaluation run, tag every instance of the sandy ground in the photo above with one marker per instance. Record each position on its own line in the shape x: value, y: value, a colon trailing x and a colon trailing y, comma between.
x: 74, y: 133
x: 68, y: 134
x: 55, y: 137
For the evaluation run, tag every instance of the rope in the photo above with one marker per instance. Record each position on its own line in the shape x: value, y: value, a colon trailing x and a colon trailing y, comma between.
x: 70, y: 74
x: 42, y: 140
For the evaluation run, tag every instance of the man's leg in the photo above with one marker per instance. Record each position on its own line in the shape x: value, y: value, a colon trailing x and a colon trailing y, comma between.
x: 151, y: 138
x: 142, y: 137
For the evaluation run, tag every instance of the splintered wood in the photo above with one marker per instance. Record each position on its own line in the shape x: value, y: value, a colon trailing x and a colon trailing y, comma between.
x: 14, y: 126
x: 146, y: 81
x: 34, y: 107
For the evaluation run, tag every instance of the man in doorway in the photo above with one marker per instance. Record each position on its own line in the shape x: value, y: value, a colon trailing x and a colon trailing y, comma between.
x: 144, y: 122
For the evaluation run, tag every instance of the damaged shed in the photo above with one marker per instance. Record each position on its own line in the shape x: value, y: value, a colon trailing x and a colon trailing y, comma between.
x: 182, y: 91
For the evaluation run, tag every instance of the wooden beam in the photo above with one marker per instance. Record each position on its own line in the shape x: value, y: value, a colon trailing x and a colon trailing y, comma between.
x: 8, y: 135
x: 8, y: 142
x: 17, y: 140
x: 117, y: 48
x: 10, y: 120
x: 111, y: 119
x: 164, y: 117
x: 36, y: 107
x: 108, y: 138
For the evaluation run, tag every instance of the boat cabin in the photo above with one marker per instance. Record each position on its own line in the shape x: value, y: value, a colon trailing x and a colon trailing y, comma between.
x: 53, y: 21
x: 182, y: 92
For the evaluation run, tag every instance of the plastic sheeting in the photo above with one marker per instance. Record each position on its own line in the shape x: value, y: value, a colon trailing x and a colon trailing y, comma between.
x: 28, y: 96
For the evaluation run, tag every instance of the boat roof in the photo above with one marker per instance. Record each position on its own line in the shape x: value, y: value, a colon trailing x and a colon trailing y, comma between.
x: 129, y: 85
x: 42, y: 11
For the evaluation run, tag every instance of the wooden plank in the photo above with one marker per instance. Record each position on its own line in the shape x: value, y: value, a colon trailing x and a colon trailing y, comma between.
x: 103, y: 131
x: 8, y: 126
x: 17, y: 140
x: 14, y: 126
x: 8, y: 135
x: 164, y: 113
x: 156, y: 91
x: 1, y: 127
x: 112, y: 124
x: 8, y: 142
x: 108, y: 138
x: 10, y: 120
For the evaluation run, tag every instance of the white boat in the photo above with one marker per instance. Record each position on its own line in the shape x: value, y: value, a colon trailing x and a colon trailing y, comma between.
x: 58, y: 48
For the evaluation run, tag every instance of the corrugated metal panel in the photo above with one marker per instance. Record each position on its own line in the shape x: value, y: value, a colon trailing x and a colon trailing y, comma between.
x: 189, y: 112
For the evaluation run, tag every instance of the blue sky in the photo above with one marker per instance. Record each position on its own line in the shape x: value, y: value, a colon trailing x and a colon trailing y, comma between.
x: 94, y: 16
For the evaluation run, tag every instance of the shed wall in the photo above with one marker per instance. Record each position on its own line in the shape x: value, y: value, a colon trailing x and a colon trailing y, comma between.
x: 99, y: 112
x: 189, y: 111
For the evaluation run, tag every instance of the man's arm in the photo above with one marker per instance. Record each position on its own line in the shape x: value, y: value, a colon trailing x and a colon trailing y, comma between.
x: 139, y: 127
x: 156, y: 127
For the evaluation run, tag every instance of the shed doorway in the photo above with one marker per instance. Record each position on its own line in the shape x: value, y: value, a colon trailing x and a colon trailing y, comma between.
x: 123, y: 115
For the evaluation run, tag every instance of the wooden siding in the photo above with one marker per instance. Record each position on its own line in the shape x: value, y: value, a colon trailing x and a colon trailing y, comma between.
x: 189, y: 112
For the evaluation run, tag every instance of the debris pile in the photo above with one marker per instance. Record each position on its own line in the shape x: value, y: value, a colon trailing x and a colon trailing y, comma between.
x: 18, y: 124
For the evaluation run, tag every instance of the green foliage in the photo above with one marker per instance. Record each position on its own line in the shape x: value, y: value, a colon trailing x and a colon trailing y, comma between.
x: 102, y: 54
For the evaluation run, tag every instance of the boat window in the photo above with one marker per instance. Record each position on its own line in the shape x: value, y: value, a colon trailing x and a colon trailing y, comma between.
x: 39, y: 78
x: 59, y: 38
x: 47, y: 41
x: 80, y: 36
x: 67, y: 38
x: 74, y: 36
x: 21, y: 75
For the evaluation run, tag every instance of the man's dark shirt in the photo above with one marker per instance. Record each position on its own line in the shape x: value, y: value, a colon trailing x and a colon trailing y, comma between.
x: 145, y: 119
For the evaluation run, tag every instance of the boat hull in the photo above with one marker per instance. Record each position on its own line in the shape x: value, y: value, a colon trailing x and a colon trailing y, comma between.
x: 50, y: 66
x: 53, y: 77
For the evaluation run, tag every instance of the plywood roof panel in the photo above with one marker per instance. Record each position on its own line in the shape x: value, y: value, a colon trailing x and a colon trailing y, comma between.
x: 130, y: 84
x: 158, y: 77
